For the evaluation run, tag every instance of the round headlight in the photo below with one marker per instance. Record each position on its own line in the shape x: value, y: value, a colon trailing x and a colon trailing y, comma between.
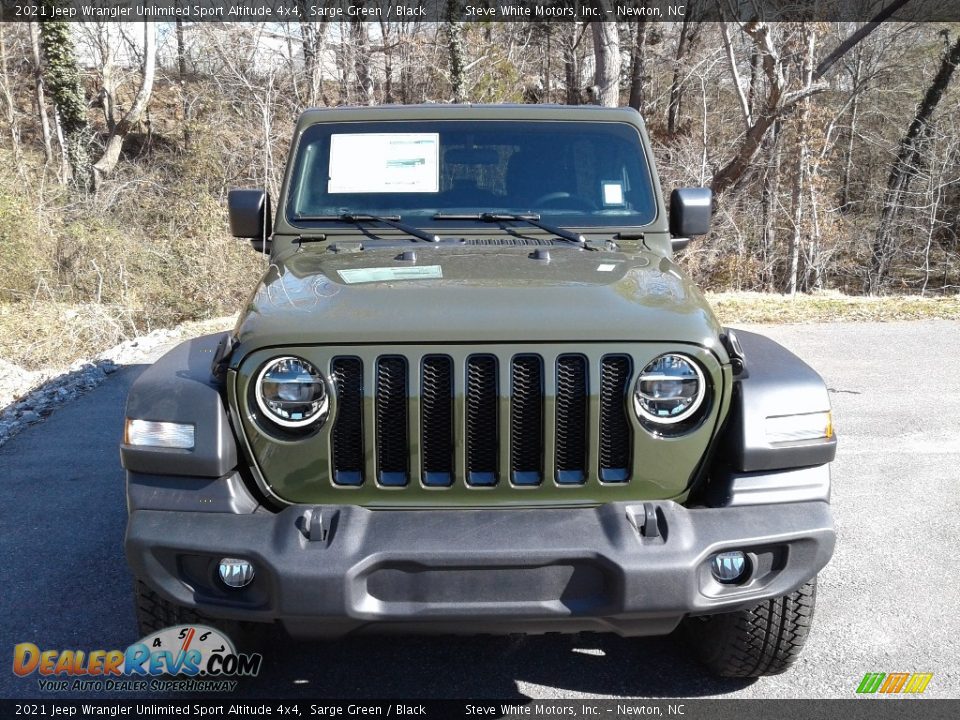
x: 291, y: 392
x: 669, y: 390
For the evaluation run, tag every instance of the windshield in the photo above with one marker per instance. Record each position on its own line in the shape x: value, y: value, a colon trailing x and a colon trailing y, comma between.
x: 569, y: 173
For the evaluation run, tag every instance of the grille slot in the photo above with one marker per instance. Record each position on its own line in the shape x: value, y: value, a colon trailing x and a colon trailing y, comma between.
x: 526, y: 420
x: 437, y: 420
x: 481, y: 430
x: 615, y: 434
x: 347, y: 432
x: 391, y: 414
x: 571, y: 432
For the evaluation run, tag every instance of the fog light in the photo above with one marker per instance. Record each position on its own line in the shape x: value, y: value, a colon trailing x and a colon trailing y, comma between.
x: 235, y: 572
x: 729, y: 567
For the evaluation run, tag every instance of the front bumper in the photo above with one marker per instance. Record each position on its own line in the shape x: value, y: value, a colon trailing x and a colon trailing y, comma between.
x: 628, y: 568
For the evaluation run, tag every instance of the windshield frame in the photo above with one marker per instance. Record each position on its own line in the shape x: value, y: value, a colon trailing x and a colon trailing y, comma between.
x: 446, y: 228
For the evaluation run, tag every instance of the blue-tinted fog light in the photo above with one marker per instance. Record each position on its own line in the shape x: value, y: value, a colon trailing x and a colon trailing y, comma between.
x: 236, y: 573
x: 729, y: 567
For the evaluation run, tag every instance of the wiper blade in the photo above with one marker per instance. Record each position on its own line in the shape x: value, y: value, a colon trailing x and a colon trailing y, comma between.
x: 360, y: 219
x: 529, y: 218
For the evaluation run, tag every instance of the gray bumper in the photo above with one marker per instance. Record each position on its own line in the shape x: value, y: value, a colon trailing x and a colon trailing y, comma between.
x: 629, y: 568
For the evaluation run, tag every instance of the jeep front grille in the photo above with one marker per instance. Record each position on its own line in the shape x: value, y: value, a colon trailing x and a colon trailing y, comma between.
x: 521, y: 419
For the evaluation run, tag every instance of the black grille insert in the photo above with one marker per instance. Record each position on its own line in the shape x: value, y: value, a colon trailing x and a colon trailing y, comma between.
x: 436, y: 408
x: 391, y: 414
x: 347, y: 430
x: 481, y: 406
x: 526, y: 420
x: 571, y: 434
x: 615, y: 434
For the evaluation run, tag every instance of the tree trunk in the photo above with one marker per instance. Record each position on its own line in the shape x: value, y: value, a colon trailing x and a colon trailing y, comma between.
x: 571, y: 64
x: 768, y: 205
x: 606, y: 52
x: 638, y: 68
x: 111, y: 153
x: 800, y: 168
x: 548, y: 70
x: 854, y: 116
x: 62, y: 75
x: 311, y: 40
x: 454, y: 33
x: 903, y: 169
x: 361, y: 61
x: 39, y: 94
x: 676, y: 87
x: 8, y: 102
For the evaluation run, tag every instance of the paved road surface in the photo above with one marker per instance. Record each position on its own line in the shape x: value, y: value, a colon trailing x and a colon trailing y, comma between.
x: 888, y: 600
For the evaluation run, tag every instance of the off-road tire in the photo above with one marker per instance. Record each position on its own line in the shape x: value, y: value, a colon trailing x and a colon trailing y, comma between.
x: 155, y: 613
x: 763, y: 640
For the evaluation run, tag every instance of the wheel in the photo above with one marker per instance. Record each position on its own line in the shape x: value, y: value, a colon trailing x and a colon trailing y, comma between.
x: 763, y: 640
x: 569, y: 200
x: 155, y: 613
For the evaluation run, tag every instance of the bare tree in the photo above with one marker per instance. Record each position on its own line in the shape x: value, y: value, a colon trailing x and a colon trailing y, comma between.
x: 454, y: 34
x: 904, y: 167
x: 638, y: 65
x: 780, y: 98
x: 39, y: 96
x: 572, y: 65
x: 688, y: 35
x: 111, y: 153
x: 606, y: 53
x: 9, y: 108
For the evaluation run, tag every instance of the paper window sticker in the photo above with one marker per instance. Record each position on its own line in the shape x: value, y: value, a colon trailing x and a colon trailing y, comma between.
x: 612, y: 192
x: 384, y: 163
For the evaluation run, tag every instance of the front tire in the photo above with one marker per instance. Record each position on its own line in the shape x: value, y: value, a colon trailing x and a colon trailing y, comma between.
x: 155, y: 613
x: 763, y: 640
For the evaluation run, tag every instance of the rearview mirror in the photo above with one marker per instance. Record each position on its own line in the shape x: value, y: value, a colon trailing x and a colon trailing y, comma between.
x: 250, y: 216
x: 690, y: 210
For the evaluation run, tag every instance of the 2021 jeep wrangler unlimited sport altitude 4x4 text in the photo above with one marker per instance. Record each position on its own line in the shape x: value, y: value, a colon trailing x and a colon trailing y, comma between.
x: 473, y: 393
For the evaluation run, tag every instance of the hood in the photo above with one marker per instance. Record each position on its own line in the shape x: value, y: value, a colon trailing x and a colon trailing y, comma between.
x: 473, y: 294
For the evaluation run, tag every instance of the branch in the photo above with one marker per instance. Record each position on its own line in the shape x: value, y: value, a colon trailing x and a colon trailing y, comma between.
x: 844, y: 47
x: 744, y: 105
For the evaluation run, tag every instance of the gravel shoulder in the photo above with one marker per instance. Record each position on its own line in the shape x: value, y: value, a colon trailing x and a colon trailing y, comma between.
x: 29, y: 396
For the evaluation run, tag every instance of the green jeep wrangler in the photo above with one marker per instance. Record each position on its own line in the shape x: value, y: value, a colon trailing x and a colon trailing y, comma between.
x: 473, y: 393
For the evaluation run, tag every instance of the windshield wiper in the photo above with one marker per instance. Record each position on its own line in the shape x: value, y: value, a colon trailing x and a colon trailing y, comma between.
x: 360, y: 220
x: 529, y: 218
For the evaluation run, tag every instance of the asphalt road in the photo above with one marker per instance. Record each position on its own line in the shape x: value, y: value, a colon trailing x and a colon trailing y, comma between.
x: 888, y: 602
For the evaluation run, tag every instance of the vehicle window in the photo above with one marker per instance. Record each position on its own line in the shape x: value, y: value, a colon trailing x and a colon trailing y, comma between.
x: 576, y: 173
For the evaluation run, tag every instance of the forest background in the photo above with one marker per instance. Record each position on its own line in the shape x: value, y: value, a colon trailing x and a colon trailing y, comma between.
x: 833, y: 149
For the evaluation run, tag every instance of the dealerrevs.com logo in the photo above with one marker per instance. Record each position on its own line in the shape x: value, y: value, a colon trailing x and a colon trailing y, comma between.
x: 182, y: 658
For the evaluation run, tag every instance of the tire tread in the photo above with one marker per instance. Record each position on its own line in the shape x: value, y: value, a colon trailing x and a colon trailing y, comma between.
x: 763, y: 640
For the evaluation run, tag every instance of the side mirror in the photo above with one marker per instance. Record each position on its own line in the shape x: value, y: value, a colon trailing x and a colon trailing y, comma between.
x: 690, y: 210
x: 250, y: 216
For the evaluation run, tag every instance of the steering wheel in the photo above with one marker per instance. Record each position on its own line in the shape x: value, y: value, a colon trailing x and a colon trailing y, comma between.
x: 581, y: 203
